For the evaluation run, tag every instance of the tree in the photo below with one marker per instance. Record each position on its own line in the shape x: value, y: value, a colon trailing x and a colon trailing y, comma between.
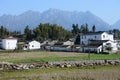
x: 28, y: 33
x: 116, y: 33
x: 93, y: 28
x: 77, y: 40
x: 4, y: 32
x: 75, y: 29
x: 50, y: 31
x: 84, y: 28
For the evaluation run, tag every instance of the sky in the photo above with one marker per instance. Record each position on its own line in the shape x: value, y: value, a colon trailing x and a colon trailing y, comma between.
x: 108, y: 10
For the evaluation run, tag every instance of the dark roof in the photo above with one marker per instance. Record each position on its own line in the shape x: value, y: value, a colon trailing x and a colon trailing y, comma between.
x: 97, y: 42
x: 59, y: 43
x: 93, y: 33
x: 10, y: 37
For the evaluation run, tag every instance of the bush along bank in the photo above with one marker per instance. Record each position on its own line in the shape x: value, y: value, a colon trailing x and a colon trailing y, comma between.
x: 6, y: 66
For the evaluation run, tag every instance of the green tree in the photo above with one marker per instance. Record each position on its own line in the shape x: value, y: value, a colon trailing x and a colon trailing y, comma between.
x: 93, y: 28
x: 4, y: 32
x: 50, y: 31
x: 28, y: 33
x: 77, y: 40
x: 75, y: 29
x: 116, y: 33
x: 84, y: 28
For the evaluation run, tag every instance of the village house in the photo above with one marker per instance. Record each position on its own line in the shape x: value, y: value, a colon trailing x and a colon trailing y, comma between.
x: 60, y: 46
x: 32, y: 45
x: 84, y: 38
x: 97, y: 42
x: 9, y: 43
x: 99, y: 46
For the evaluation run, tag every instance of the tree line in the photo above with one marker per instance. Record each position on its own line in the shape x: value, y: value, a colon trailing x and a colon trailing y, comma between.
x: 49, y: 31
x: 82, y: 29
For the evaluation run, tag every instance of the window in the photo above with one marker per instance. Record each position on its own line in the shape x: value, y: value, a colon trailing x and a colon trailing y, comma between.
x: 103, y: 36
x: 95, y: 37
x: 32, y: 45
x: 25, y: 46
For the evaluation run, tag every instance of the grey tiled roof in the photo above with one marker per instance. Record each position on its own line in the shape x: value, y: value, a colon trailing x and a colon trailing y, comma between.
x: 95, y: 43
x: 92, y: 33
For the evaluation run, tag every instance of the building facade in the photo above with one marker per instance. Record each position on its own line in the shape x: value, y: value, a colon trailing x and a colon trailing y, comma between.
x: 84, y: 38
x: 9, y: 43
x: 32, y: 45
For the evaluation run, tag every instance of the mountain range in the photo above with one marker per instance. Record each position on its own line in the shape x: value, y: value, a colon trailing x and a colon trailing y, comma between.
x: 54, y: 16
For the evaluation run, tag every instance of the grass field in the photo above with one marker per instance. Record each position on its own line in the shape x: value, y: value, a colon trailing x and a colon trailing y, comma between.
x: 43, y: 56
x: 84, y: 73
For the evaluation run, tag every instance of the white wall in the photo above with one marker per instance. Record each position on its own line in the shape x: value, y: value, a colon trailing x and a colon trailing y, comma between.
x: 85, y: 38
x: 113, y: 45
x: 93, y: 49
x: 103, y: 36
x: 34, y: 45
x: 9, y: 44
x: 106, y: 36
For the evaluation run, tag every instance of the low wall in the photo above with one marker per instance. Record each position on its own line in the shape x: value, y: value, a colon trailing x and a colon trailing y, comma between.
x: 56, y: 64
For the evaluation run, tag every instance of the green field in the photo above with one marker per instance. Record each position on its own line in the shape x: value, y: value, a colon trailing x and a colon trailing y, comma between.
x: 44, y: 56
x: 83, y: 73
x: 110, y: 72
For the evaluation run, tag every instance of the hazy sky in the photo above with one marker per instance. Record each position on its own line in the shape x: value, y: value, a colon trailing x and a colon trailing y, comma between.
x: 108, y: 10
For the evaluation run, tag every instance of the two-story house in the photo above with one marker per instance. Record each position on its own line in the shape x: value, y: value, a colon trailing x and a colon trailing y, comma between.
x: 97, y: 42
x: 84, y: 38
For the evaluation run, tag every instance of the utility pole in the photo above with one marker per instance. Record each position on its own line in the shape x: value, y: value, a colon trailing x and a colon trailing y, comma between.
x: 89, y: 55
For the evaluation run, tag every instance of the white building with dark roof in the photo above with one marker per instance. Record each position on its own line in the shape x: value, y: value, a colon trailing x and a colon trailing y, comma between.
x: 99, y: 46
x: 97, y: 42
x: 84, y: 38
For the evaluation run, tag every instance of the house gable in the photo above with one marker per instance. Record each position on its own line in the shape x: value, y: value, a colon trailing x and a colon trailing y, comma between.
x: 34, y: 45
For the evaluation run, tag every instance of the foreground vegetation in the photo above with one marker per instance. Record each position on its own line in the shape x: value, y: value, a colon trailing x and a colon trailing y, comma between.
x: 110, y: 72
x: 43, y: 56
x: 83, y: 73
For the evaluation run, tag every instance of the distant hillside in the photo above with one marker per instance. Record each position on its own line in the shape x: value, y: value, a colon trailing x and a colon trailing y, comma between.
x: 53, y: 16
x: 116, y: 25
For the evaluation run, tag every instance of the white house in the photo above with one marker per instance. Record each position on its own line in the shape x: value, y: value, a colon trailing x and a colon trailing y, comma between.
x: 84, y: 38
x: 9, y: 43
x: 100, y: 46
x: 32, y: 45
x: 110, y: 46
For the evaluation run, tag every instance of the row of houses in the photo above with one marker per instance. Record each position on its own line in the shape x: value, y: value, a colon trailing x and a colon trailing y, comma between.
x: 12, y: 43
x: 88, y: 42
x: 98, y: 42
